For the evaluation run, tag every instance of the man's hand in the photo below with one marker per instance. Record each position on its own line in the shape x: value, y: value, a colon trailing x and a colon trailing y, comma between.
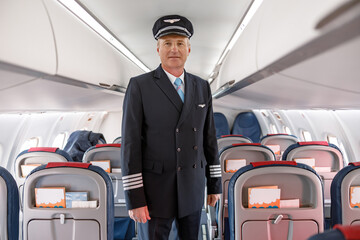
x: 212, y: 199
x: 140, y: 214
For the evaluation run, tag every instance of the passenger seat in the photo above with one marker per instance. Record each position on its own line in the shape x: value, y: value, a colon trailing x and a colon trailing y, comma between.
x: 9, y: 206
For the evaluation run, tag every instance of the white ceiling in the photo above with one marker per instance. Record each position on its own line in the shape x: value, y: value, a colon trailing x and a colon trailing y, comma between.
x: 131, y: 22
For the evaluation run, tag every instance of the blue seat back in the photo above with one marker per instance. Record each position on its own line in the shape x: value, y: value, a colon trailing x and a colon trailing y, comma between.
x: 247, y: 124
x: 341, y: 210
x: 9, y: 206
x: 221, y: 124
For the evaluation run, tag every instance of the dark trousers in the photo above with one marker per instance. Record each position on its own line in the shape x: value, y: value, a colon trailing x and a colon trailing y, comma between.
x: 159, y: 228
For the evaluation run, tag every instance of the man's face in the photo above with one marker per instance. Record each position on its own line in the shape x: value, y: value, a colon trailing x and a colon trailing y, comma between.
x: 173, y: 51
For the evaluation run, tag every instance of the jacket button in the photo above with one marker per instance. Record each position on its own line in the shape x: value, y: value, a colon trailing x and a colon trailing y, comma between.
x: 194, y: 166
x: 179, y: 169
x: 178, y: 149
x: 194, y: 129
x: 177, y: 130
x: 195, y: 147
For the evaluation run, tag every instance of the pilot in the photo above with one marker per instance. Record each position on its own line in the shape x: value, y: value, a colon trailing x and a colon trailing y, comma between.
x: 169, y: 147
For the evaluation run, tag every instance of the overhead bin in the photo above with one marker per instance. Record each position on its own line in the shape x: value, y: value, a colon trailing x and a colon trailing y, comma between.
x: 84, y: 55
x: 240, y: 61
x: 26, y: 36
x: 280, y: 28
x: 288, y: 25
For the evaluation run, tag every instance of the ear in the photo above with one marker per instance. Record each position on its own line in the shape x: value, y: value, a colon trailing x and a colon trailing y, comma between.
x: 158, y: 46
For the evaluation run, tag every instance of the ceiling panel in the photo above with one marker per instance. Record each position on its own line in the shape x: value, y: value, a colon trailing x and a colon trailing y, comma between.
x: 214, y: 23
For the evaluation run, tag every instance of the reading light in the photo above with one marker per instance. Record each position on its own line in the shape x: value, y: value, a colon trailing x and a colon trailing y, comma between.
x: 250, y: 13
x: 81, y: 13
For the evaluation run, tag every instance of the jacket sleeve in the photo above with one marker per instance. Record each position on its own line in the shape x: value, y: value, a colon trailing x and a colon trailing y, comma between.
x: 131, y: 154
x: 213, y: 168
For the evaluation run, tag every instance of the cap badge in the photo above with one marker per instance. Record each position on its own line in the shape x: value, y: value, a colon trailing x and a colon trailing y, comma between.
x: 171, y: 20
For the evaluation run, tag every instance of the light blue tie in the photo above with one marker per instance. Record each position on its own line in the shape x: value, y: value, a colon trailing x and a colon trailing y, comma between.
x: 178, y: 83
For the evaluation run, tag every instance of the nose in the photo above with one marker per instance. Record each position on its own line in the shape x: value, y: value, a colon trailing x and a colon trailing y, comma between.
x: 174, y: 48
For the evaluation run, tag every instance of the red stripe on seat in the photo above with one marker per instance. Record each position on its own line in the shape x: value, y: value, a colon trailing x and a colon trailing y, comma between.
x: 324, y: 143
x: 356, y: 164
x: 68, y: 164
x: 108, y: 145
x: 232, y: 135
x: 42, y: 149
x: 350, y: 232
x: 246, y: 144
x: 275, y: 134
x: 257, y: 164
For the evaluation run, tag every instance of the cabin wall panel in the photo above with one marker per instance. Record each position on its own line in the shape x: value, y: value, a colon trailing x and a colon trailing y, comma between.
x: 84, y: 55
x: 349, y: 120
x: 10, y: 127
x: 263, y: 122
x: 324, y: 124
x: 17, y: 128
x: 26, y: 36
x: 65, y: 124
x: 287, y: 122
x: 300, y: 121
x: 111, y: 126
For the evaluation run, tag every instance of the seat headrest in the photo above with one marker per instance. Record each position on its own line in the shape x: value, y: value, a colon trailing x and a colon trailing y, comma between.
x: 108, y: 145
x: 67, y: 164
x: 265, y: 163
x: 43, y: 149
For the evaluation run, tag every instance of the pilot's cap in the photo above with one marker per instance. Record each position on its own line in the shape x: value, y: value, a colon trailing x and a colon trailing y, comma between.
x: 172, y: 24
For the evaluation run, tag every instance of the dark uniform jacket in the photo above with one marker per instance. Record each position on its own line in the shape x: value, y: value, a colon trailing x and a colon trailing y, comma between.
x: 168, y: 147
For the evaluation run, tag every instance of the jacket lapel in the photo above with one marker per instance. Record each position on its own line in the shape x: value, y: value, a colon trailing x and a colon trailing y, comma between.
x: 190, y: 86
x: 167, y: 88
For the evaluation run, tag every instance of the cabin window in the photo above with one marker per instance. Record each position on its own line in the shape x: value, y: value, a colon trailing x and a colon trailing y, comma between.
x: 278, y: 117
x: 306, y: 135
x: 287, y: 130
x: 273, y: 128
x: 264, y: 113
x: 59, y: 140
x: 334, y: 140
x: 31, y: 142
